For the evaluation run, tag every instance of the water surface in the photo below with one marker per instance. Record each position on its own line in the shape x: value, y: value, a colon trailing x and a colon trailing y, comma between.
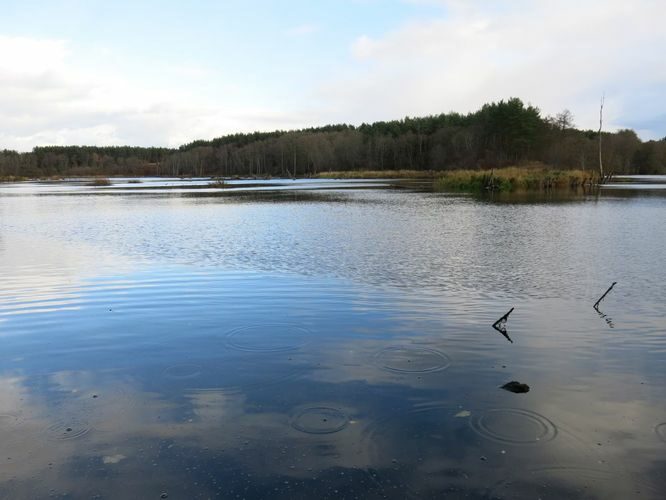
x: 329, y: 339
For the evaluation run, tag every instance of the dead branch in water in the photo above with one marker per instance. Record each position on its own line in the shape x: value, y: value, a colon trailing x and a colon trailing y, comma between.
x: 500, y: 325
x: 596, y: 304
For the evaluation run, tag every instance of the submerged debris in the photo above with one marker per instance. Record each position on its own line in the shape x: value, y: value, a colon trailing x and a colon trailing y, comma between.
x: 517, y: 387
x: 500, y: 325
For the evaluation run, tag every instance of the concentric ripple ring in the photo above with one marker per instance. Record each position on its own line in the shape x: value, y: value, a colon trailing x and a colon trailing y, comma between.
x: 514, y: 426
x: 268, y: 338
x: 66, y: 430
x: 320, y: 420
x: 412, y: 359
x: 182, y: 371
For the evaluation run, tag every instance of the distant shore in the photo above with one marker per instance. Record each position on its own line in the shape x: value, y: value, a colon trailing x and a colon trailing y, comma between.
x: 525, y: 178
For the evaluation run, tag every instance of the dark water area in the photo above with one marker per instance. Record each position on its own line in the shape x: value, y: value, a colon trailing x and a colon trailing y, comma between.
x: 330, y: 339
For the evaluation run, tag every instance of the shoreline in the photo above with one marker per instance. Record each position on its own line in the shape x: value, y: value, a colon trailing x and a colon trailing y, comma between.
x: 506, y: 179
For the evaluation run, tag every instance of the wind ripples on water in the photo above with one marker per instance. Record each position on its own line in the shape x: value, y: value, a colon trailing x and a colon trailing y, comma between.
x: 463, y: 245
x: 328, y: 343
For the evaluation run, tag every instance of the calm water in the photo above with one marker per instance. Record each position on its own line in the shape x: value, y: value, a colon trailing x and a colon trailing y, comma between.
x: 330, y: 339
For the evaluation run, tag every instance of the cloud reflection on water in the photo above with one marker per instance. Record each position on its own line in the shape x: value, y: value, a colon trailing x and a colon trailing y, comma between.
x: 135, y: 356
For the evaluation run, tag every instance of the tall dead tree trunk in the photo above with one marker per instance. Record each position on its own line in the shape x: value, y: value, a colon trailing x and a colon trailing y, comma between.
x: 601, y: 117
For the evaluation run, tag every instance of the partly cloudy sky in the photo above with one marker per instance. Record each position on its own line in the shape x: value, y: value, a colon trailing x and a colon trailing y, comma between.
x: 149, y: 72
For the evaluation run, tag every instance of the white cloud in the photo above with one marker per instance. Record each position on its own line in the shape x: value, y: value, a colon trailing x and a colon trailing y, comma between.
x: 26, y: 56
x: 46, y: 98
x: 555, y: 55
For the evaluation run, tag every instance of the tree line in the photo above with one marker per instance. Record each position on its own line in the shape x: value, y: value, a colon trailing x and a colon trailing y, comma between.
x: 499, y: 134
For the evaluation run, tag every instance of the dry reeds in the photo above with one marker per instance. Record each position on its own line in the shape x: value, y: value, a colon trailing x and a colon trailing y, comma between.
x: 512, y: 179
x: 100, y: 181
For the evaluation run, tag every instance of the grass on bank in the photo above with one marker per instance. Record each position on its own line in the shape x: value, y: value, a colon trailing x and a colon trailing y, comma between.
x: 526, y: 178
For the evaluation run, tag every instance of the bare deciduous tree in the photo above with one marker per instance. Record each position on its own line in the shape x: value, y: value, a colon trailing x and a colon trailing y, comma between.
x: 564, y: 120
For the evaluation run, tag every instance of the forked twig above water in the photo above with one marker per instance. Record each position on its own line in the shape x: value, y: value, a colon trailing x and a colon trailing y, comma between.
x: 500, y: 325
x: 596, y: 304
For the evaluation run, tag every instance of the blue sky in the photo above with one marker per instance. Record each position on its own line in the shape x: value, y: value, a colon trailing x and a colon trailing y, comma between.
x: 164, y: 73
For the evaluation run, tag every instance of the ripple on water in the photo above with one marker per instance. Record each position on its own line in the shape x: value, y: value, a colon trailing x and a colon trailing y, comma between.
x: 9, y: 421
x: 182, y: 371
x: 513, y: 426
x: 65, y: 430
x: 319, y: 420
x: 270, y: 338
x: 661, y: 431
x: 412, y: 359
x: 92, y: 395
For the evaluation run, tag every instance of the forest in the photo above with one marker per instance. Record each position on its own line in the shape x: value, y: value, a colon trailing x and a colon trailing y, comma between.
x: 504, y: 133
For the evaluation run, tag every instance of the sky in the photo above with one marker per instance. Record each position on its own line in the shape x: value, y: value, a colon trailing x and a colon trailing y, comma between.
x: 164, y: 73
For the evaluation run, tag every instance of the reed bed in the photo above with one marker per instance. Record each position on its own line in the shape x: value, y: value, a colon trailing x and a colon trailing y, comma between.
x: 512, y: 179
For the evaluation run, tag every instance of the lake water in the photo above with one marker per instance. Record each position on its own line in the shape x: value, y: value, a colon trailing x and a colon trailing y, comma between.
x: 330, y: 339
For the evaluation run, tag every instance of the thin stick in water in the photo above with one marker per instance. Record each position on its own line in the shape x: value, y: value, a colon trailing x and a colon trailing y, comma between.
x: 596, y: 304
